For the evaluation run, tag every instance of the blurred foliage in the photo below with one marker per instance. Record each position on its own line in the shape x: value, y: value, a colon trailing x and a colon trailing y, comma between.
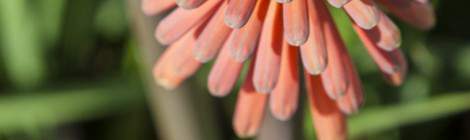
x: 68, y: 71
x: 20, y: 38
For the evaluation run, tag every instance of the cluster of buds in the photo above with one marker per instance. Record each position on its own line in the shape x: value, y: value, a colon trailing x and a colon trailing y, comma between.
x: 277, y: 36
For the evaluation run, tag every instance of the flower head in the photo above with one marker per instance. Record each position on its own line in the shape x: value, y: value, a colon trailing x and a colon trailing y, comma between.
x: 278, y: 36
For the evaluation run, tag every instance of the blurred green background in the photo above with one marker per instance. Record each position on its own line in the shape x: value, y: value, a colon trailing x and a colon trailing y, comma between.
x: 79, y: 69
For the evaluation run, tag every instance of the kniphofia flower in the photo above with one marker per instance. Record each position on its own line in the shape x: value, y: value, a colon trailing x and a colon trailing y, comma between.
x: 278, y: 36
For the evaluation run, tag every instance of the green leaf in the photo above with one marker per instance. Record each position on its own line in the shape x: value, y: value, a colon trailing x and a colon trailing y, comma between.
x: 378, y: 119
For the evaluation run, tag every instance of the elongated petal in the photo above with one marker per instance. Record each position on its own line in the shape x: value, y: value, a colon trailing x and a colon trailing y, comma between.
x: 212, y: 37
x: 266, y: 71
x: 176, y: 64
x: 386, y: 34
x: 296, y: 28
x: 244, y: 40
x: 189, y: 4
x: 329, y: 122
x: 155, y: 7
x: 239, y: 12
x: 180, y: 21
x: 418, y: 13
x: 338, y: 3
x: 285, y: 96
x: 353, y: 99
x: 313, y: 52
x: 249, y: 109
x: 363, y: 12
x: 334, y: 77
x: 391, y: 63
x: 224, y: 73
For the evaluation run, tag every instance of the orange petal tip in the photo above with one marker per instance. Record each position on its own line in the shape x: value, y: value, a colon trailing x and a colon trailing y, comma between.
x: 165, y: 83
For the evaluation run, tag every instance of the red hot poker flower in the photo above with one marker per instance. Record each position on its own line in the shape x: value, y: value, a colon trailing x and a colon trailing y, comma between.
x: 276, y: 33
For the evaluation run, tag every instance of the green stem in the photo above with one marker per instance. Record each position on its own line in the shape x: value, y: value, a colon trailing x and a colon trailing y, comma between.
x: 49, y: 108
x: 378, y: 119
